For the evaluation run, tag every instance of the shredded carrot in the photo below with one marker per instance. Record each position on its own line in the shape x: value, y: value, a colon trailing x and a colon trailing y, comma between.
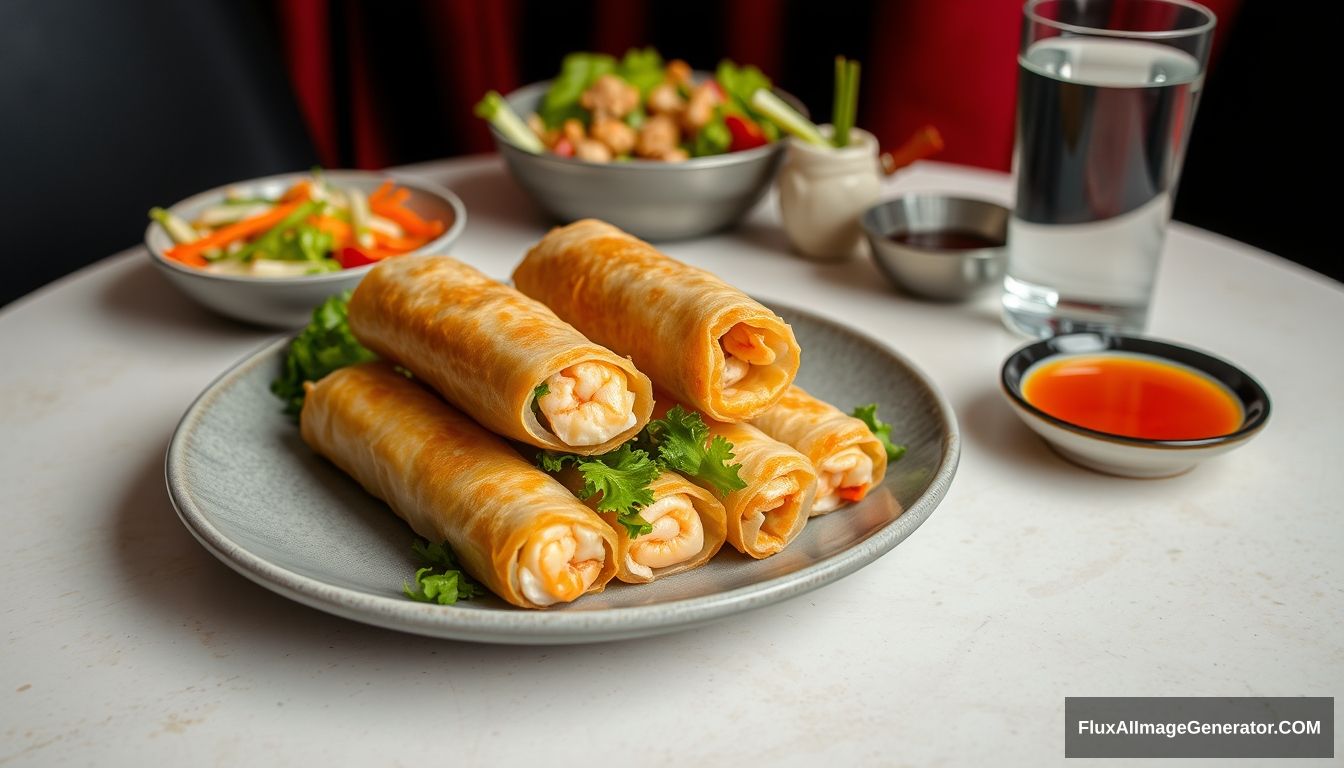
x: 925, y: 142
x: 382, y: 191
x: 191, y: 253
x: 302, y: 190
x: 336, y: 227
x: 407, y: 219
x: 398, y: 244
x: 853, y: 492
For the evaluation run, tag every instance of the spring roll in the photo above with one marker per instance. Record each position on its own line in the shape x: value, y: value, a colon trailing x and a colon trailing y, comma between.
x: 770, y: 511
x: 502, y: 358
x: 689, y: 527
x: 848, y: 458
x: 514, y: 528
x: 705, y: 342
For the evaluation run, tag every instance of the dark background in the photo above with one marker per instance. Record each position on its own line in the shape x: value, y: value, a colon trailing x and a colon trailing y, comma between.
x: 110, y: 108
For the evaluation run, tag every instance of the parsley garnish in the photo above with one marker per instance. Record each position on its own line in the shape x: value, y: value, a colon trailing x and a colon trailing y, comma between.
x: 622, y: 477
x: 323, y: 346
x: 442, y: 579
x: 680, y: 441
x: 882, y: 430
x: 542, y: 390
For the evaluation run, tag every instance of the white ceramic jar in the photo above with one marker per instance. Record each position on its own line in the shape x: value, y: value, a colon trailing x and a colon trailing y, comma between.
x: 824, y: 190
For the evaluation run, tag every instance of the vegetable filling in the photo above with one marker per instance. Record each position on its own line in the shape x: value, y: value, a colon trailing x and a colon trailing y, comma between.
x: 842, y: 478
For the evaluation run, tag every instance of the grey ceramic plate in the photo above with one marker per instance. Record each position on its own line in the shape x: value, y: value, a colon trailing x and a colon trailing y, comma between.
x: 248, y: 489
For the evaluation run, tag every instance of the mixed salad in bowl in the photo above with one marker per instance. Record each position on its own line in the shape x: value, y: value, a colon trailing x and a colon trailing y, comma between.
x: 602, y: 109
x: 315, y: 226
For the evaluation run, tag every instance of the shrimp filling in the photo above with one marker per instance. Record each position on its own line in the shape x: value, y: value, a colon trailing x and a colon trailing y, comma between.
x: 743, y: 346
x: 559, y: 563
x: 842, y: 478
x: 677, y: 535
x: 587, y: 404
x: 767, y: 520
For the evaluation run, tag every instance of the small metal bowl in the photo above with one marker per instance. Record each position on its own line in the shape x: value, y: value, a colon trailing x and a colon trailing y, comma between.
x: 648, y: 199
x: 944, y: 274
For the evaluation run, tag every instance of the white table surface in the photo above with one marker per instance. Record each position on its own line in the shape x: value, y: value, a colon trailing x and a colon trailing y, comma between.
x: 126, y: 643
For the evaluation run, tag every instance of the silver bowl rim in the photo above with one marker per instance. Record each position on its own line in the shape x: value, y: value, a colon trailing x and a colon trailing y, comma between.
x: 416, y: 186
x: 869, y: 224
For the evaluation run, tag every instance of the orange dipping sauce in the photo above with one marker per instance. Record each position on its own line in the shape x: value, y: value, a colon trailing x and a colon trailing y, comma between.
x: 1133, y: 396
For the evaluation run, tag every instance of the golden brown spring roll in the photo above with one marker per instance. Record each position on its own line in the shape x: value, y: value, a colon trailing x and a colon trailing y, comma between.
x: 848, y: 458
x: 705, y: 342
x: 514, y: 528
x: 488, y: 348
x: 770, y: 511
x: 688, y: 529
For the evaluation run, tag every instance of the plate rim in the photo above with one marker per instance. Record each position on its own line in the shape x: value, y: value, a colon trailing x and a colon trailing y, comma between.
x: 543, y: 627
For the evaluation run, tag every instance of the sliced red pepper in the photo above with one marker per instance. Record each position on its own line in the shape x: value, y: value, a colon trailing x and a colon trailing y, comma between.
x: 350, y: 257
x: 564, y: 148
x: 746, y: 134
x: 853, y: 492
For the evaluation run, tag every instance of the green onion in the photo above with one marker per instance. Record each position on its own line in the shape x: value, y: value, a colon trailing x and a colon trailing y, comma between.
x: 179, y: 230
x: 846, y: 103
x: 787, y: 117
x: 494, y: 108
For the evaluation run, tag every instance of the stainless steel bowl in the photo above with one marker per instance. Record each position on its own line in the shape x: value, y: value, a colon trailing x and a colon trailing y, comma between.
x: 652, y: 200
x: 288, y: 302
x: 936, y: 273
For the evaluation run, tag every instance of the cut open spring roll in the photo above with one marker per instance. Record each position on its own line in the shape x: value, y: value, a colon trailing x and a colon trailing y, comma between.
x: 502, y: 358
x: 770, y: 511
x: 706, y: 343
x: 848, y: 458
x: 514, y: 528
x: 688, y: 523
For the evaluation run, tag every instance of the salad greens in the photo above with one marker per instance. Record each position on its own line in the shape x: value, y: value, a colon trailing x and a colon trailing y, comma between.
x: 882, y: 430
x: 323, y: 346
x: 441, y: 579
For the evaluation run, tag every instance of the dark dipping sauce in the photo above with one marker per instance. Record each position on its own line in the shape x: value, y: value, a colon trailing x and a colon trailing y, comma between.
x: 946, y: 240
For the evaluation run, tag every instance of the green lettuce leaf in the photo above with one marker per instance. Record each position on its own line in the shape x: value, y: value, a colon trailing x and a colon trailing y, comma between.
x: 441, y: 578
x: 323, y: 346
x: 577, y: 72
x: 882, y: 430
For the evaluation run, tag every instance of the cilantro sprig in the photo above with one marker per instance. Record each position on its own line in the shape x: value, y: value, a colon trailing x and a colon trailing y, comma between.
x: 323, y: 346
x: 679, y: 439
x: 441, y: 579
x: 880, y: 429
x: 622, y: 477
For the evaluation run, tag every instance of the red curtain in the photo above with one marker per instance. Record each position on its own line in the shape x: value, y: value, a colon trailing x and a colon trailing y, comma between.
x: 950, y: 63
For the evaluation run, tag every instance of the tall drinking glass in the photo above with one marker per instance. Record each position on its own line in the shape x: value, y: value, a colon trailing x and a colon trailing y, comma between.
x: 1107, y: 91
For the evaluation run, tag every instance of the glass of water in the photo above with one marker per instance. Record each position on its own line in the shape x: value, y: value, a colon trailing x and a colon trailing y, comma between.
x: 1107, y: 91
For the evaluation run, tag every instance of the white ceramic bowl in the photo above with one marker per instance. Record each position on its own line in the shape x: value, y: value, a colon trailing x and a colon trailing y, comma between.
x: 1118, y: 454
x: 288, y: 302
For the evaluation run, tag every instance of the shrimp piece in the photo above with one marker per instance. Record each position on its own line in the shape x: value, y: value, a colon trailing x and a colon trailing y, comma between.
x: 677, y: 535
x: 774, y: 498
x: 559, y: 563
x: 611, y: 96
x: 700, y: 108
x: 743, y: 347
x: 657, y: 136
x: 619, y: 137
x: 593, y: 151
x: 573, y: 130
x: 665, y: 100
x: 678, y: 71
x: 843, y: 477
x: 587, y: 404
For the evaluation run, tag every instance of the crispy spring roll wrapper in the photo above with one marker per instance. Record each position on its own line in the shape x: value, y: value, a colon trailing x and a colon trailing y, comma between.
x: 486, y: 348
x: 689, y: 527
x: 848, y: 458
x: 706, y: 343
x: 770, y: 511
x: 513, y: 527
